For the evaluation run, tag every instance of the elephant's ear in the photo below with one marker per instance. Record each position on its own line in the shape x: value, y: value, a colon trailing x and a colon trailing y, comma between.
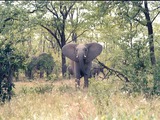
x: 94, y: 49
x: 69, y: 51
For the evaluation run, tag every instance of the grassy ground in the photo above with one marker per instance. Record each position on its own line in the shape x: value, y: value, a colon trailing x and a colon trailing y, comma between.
x: 41, y: 100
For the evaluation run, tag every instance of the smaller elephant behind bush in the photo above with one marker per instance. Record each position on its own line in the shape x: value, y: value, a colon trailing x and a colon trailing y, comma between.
x: 43, y: 63
x: 96, y: 69
x: 70, y: 69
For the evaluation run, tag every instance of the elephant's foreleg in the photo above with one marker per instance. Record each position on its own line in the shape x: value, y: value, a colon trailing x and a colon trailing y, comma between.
x: 77, y: 83
x: 85, y: 81
x: 41, y: 74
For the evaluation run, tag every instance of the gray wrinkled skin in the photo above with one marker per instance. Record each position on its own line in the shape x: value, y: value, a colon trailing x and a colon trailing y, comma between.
x: 82, y: 55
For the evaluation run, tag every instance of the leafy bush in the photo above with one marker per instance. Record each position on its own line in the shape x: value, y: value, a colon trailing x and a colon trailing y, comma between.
x: 43, y: 63
x: 137, y: 67
x: 10, y: 62
x: 156, y: 77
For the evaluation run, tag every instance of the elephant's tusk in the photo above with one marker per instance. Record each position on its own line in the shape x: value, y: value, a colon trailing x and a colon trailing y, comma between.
x: 85, y: 56
x: 76, y: 56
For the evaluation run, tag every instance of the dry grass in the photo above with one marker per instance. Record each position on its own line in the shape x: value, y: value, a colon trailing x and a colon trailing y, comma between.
x: 65, y: 103
x: 122, y: 107
x: 55, y: 105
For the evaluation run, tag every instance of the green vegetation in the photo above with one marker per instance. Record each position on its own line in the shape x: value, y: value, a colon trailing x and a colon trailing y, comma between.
x: 10, y: 63
x: 129, y: 33
x: 112, y: 102
x: 44, y: 63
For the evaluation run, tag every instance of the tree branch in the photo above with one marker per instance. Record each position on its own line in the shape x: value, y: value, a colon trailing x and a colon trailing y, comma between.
x: 117, y: 73
x: 155, y: 8
x: 155, y: 17
x: 53, y: 12
x: 69, y: 9
x: 53, y: 34
x: 70, y: 34
x: 82, y: 33
x: 52, y: 44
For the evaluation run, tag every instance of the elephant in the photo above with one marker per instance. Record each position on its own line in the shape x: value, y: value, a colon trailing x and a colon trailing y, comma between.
x: 43, y: 63
x: 70, y: 69
x: 82, y: 55
x: 96, y: 69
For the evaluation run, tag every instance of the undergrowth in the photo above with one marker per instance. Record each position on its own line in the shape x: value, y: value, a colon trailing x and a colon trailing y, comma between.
x: 113, y: 103
x: 103, y: 100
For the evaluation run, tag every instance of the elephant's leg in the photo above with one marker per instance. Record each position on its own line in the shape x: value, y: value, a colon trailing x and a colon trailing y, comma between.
x: 77, y: 83
x: 31, y: 74
x: 85, y: 81
x: 77, y: 75
x: 87, y: 75
x: 69, y: 74
x: 41, y: 74
x: 48, y: 73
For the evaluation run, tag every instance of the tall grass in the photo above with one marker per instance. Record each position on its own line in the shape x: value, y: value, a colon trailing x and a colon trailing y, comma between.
x: 111, y: 103
x: 62, y: 103
x: 59, y: 100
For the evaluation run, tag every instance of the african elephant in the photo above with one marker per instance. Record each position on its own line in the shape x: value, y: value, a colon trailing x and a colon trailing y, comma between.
x: 96, y: 69
x: 43, y: 63
x: 82, y: 55
x: 70, y: 69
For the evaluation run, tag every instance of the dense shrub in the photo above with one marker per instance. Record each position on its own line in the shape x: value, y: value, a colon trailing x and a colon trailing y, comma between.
x: 43, y: 63
x: 137, y: 67
x: 10, y: 62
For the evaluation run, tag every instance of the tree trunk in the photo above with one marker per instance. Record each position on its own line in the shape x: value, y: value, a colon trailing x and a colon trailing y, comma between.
x: 150, y: 34
x: 74, y: 37
x: 156, y: 86
x: 64, y: 67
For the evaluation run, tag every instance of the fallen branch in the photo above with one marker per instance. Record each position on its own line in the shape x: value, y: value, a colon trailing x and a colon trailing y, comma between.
x: 117, y: 73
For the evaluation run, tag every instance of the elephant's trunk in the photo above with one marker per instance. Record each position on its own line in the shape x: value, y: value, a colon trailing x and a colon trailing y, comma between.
x: 82, y: 64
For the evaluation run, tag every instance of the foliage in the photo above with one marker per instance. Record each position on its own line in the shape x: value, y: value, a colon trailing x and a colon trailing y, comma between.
x: 10, y: 63
x: 156, y: 84
x: 129, y: 48
x: 136, y: 66
x: 112, y: 103
x: 43, y: 63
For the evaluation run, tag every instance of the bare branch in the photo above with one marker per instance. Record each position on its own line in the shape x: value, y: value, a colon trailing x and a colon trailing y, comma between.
x: 117, y: 73
x: 155, y: 8
x: 53, y: 12
x: 82, y: 33
x: 69, y: 8
x: 70, y: 34
x: 53, y: 34
x: 32, y: 11
x: 155, y: 17
x: 52, y: 43
x: 61, y: 11
x: 54, y: 9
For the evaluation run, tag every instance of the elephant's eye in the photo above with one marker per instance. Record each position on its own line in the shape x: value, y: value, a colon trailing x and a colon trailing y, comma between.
x: 86, y: 49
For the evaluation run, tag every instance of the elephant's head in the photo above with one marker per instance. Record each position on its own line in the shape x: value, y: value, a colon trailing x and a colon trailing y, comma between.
x: 81, y: 52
